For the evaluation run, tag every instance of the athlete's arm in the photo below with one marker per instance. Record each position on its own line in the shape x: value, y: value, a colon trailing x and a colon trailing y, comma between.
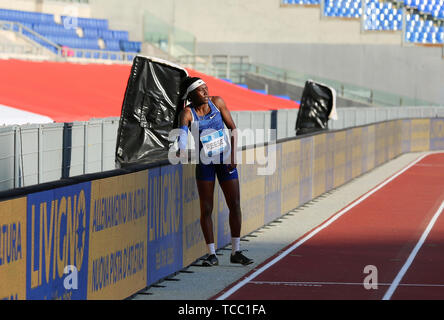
x: 185, y: 118
x: 228, y: 120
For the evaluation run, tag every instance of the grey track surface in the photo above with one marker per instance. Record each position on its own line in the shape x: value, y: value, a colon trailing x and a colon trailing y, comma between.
x: 203, y: 283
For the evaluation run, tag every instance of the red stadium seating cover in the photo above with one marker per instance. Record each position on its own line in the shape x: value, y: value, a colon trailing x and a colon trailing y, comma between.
x: 68, y: 92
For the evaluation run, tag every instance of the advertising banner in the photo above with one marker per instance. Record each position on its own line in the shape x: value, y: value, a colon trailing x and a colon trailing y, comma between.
x: 330, y: 161
x: 381, y: 143
x: 437, y: 134
x: 222, y: 214
x: 118, y: 236
x: 306, y: 182
x: 420, y: 138
x: 406, y: 135
x: 253, y: 194
x: 291, y: 166
x: 273, y: 184
x: 370, y: 146
x: 194, y: 245
x: 340, y: 157
x: 356, y: 151
x: 348, y: 155
x: 391, y: 140
x: 13, y: 249
x: 165, y: 222
x: 58, y: 243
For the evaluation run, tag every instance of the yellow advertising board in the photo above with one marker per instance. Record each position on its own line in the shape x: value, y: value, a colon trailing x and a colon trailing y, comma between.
x: 320, y: 165
x: 437, y: 134
x: 370, y: 146
x: 194, y: 245
x: 356, y: 145
x: 380, y: 143
x: 291, y: 155
x: 118, y: 236
x: 420, y: 138
x: 392, y: 138
x: 340, y: 158
x: 398, y: 137
x: 252, y: 188
x: 13, y: 249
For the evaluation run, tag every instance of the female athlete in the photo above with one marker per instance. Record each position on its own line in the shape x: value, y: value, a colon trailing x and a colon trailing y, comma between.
x: 210, y: 114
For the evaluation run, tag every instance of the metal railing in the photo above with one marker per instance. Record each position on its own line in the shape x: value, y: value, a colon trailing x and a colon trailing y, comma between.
x: 31, y: 37
x: 220, y: 66
x: 236, y: 68
x: 345, y: 90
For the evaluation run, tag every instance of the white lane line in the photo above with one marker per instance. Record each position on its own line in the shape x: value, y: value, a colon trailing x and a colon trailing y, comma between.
x: 320, y: 284
x: 324, y: 225
x: 412, y: 255
x: 308, y: 283
x: 430, y: 165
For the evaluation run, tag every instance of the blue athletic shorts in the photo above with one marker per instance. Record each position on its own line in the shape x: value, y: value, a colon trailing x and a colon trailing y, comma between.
x: 208, y: 172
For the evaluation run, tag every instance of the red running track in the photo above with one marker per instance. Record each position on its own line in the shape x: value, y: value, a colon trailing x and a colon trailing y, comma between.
x: 383, y: 229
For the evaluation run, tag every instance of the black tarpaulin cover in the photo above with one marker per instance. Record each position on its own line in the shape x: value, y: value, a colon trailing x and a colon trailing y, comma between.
x: 150, y: 111
x: 318, y: 105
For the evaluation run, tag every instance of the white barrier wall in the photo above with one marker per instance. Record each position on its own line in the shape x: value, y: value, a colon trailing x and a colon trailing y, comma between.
x: 33, y: 154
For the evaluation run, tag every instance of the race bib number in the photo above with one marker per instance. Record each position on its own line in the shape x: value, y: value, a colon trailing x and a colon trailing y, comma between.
x: 213, y: 143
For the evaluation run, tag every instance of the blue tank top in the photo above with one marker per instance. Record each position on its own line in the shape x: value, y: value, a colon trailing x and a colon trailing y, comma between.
x: 212, y: 136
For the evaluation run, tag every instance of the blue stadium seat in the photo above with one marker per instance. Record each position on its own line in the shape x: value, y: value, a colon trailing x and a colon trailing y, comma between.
x: 106, y: 34
x: 75, y: 43
x: 93, y: 29
x: 86, y: 22
x: 343, y: 8
x: 302, y: 2
x: 47, y: 29
x: 120, y: 35
x: 90, y: 33
x: 112, y: 45
x: 427, y: 31
x: 432, y: 7
x: 130, y: 46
